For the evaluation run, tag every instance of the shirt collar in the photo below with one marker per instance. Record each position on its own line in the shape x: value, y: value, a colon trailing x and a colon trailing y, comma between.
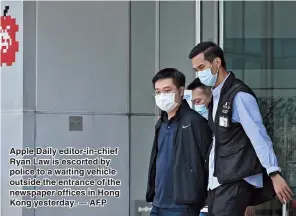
x: 216, y: 91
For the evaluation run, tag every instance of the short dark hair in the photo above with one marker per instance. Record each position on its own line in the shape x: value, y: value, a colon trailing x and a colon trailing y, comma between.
x: 177, y: 77
x: 210, y: 51
x: 195, y: 84
x: 198, y: 84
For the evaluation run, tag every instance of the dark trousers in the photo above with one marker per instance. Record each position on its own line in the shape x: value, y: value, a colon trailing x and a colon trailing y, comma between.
x: 174, y: 211
x: 230, y: 199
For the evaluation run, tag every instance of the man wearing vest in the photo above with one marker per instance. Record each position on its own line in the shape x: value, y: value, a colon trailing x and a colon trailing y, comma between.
x: 243, y: 168
x: 201, y: 95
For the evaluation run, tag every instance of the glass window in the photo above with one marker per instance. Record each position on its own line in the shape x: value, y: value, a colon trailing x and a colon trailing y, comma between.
x: 260, y: 45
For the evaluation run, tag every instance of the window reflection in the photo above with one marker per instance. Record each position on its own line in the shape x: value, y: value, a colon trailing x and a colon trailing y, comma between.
x: 260, y: 49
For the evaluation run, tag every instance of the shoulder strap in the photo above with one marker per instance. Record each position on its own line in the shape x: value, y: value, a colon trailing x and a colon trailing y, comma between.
x: 230, y: 91
x: 238, y: 87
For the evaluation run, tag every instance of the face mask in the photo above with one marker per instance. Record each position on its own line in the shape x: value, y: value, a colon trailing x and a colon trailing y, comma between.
x: 207, y: 78
x: 201, y: 109
x: 166, y: 102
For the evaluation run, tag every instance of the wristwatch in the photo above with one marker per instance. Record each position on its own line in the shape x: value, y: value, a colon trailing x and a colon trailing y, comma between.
x: 274, y: 173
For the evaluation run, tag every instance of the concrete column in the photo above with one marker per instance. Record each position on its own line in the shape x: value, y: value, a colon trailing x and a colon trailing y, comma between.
x: 12, y: 108
x: 74, y: 61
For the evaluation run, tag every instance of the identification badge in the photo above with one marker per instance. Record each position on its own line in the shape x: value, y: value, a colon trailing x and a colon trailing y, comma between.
x: 223, y: 122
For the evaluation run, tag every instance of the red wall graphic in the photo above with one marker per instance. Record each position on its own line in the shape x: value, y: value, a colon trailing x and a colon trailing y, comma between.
x: 9, y: 44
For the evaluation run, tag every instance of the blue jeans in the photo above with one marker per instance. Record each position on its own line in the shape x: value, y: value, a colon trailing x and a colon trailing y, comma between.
x: 173, y: 212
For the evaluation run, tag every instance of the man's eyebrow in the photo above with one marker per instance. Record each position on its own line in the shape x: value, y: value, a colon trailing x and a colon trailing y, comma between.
x: 164, y: 87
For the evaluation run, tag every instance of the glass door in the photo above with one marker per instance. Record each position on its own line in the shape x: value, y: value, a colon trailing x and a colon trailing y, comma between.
x: 259, y: 43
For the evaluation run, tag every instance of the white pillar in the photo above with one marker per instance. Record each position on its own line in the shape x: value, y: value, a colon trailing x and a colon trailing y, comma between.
x: 11, y: 106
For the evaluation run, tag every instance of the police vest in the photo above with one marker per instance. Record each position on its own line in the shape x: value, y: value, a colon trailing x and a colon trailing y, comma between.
x: 235, y: 156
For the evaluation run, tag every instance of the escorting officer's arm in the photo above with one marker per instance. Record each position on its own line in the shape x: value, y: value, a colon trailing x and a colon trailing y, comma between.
x: 247, y: 113
x: 203, y: 135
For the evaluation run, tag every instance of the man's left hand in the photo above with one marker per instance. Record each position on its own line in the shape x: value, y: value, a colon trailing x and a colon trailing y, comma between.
x: 281, y: 188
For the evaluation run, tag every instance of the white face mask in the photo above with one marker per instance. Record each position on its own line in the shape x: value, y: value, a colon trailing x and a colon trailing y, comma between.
x: 201, y: 109
x: 166, y: 101
x: 207, y: 78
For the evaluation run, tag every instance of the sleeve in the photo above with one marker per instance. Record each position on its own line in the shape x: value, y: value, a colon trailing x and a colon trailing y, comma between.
x: 247, y: 113
x: 203, y: 136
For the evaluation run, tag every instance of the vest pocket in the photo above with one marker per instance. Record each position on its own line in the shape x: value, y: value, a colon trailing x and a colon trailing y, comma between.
x: 226, y: 150
x: 234, y: 163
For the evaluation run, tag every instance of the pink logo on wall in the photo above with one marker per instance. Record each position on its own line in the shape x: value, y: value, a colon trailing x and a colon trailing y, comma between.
x: 9, y: 44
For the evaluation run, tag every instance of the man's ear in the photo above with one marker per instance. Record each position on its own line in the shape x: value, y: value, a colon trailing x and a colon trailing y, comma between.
x: 208, y: 101
x: 218, y: 62
x: 182, y: 92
